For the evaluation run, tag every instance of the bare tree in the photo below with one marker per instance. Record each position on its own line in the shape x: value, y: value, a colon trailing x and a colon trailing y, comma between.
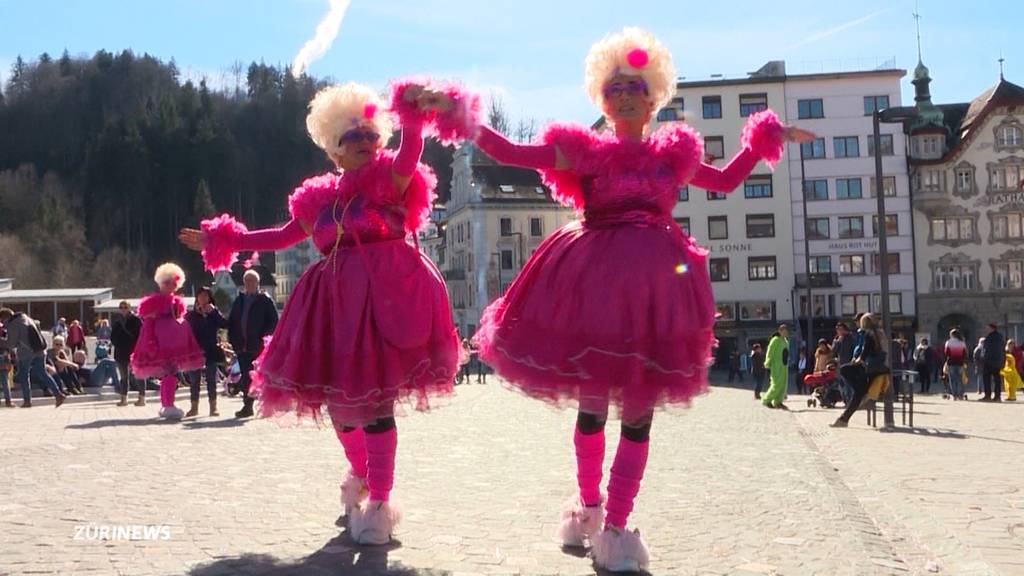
x: 497, y: 117
x: 526, y: 130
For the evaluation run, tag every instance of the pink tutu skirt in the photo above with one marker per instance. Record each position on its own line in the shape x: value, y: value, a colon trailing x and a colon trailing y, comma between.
x: 361, y: 333
x: 620, y: 315
x: 165, y: 346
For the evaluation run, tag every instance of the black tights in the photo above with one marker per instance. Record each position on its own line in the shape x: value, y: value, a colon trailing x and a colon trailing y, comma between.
x: 589, y: 424
x: 378, y: 427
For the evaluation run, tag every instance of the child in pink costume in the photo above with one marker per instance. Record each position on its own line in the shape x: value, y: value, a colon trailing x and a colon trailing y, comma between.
x: 616, y: 308
x: 166, y: 345
x: 369, y: 325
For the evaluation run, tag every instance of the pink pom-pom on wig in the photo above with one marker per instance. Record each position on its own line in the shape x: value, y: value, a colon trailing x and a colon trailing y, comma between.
x: 451, y: 126
x: 764, y: 136
x: 637, y: 58
x: 369, y: 111
x: 222, y: 235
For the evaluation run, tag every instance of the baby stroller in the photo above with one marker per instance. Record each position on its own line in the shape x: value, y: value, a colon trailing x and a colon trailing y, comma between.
x: 825, y: 388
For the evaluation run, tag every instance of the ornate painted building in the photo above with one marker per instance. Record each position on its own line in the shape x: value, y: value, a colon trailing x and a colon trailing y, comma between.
x: 967, y: 181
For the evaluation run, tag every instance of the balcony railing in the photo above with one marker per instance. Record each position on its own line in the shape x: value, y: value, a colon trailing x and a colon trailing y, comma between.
x: 819, y: 280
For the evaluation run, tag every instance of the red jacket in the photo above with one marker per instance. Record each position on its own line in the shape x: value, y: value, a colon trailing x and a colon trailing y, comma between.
x: 76, y: 335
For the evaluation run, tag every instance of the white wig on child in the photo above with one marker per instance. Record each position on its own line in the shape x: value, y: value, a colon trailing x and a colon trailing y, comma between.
x: 337, y: 109
x: 170, y: 270
x: 632, y: 52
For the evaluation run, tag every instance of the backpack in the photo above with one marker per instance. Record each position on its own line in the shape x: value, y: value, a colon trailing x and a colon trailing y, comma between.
x: 35, y: 338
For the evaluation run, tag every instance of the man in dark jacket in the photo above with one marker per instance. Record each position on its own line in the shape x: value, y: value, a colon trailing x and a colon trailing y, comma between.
x: 757, y: 369
x: 253, y: 316
x: 205, y: 321
x: 994, y: 356
x: 23, y: 337
x: 123, y: 335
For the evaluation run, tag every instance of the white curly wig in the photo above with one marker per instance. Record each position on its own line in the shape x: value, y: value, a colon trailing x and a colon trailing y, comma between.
x: 170, y: 270
x: 633, y: 52
x: 338, y: 109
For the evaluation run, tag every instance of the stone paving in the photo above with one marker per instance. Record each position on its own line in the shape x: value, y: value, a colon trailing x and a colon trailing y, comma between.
x: 731, y: 488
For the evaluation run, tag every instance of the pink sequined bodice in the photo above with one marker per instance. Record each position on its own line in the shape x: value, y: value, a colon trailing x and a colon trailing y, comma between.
x: 371, y: 221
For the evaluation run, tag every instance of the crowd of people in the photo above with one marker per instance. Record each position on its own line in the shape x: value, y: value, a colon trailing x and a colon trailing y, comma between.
x: 994, y: 365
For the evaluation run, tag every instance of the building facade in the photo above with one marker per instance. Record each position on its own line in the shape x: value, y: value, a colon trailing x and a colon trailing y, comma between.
x: 748, y: 231
x: 967, y: 177
x: 496, y: 217
x: 841, y: 229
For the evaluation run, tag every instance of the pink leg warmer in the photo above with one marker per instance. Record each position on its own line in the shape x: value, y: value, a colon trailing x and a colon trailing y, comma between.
x: 589, y: 461
x: 168, y: 384
x: 627, y: 472
x: 380, y: 470
x: 354, y: 443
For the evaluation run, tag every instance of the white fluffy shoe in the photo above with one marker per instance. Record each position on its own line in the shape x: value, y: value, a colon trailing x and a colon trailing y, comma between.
x: 579, y: 523
x: 373, y: 522
x: 618, y: 550
x: 353, y: 492
x: 171, y: 412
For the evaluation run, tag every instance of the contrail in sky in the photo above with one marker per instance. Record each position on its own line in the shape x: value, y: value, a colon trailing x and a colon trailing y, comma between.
x: 326, y: 32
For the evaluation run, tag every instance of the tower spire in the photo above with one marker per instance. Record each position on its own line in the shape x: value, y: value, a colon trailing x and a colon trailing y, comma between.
x: 1001, y: 60
x: 917, y: 22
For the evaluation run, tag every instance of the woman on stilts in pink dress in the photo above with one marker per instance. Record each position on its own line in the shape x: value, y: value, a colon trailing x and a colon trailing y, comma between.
x: 369, y: 325
x: 166, y: 345
x: 616, y: 309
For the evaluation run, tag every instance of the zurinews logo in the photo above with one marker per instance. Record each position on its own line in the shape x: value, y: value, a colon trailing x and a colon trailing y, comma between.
x: 123, y: 532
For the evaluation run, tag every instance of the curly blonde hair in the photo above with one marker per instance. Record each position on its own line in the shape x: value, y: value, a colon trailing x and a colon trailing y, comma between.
x: 611, y: 55
x: 338, y: 109
x: 169, y: 270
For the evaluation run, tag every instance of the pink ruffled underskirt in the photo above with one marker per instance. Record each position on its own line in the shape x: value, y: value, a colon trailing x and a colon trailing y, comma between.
x: 616, y: 316
x: 362, y: 335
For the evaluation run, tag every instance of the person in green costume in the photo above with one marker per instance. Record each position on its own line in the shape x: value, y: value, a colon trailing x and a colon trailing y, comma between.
x: 777, y: 363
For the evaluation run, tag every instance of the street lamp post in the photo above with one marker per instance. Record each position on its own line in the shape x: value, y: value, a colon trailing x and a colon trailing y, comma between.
x: 807, y: 261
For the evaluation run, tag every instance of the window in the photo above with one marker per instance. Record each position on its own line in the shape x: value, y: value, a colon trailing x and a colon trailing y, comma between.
x: 506, y: 259
x: 956, y: 229
x: 813, y: 149
x: 758, y: 187
x: 851, y: 264
x: 888, y: 184
x: 895, y: 303
x: 1008, y: 275
x: 1009, y: 137
x: 810, y: 109
x: 667, y: 115
x: 851, y: 227
x: 817, y: 228
x: 535, y: 227
x: 1006, y: 177
x: 714, y: 147
x: 717, y: 195
x: 848, y: 188
x: 712, y: 106
x: 955, y: 277
x: 752, y: 103
x: 684, y: 194
x: 886, y: 144
x: 930, y: 145
x: 964, y: 179
x: 820, y: 264
x: 846, y: 146
x: 718, y: 228
x: 760, y: 225
x: 726, y: 311
x: 892, y: 225
x: 684, y: 224
x: 461, y: 237
x: 816, y: 189
x: 1006, y: 226
x: 760, y: 310
x: 853, y: 304
x: 894, y: 263
x: 719, y: 269
x: 506, y: 226
x: 872, y: 103
x: 761, y: 268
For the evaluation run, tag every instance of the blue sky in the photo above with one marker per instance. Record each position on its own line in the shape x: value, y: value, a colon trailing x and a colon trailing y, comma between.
x: 531, y: 51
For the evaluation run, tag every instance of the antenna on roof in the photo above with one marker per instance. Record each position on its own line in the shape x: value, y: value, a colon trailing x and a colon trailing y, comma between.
x: 1001, y: 60
x: 917, y: 20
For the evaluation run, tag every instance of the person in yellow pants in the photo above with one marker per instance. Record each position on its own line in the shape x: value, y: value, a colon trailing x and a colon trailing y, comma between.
x: 1011, y: 379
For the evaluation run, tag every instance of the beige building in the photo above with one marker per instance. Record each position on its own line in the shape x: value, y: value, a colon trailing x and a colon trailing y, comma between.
x: 748, y: 231
x: 496, y: 217
x: 967, y: 178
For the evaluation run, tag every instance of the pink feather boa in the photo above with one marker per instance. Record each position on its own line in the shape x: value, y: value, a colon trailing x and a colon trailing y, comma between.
x: 592, y: 153
x: 450, y: 127
x: 764, y: 135
x: 159, y: 303
x: 222, y: 235
x: 373, y: 181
